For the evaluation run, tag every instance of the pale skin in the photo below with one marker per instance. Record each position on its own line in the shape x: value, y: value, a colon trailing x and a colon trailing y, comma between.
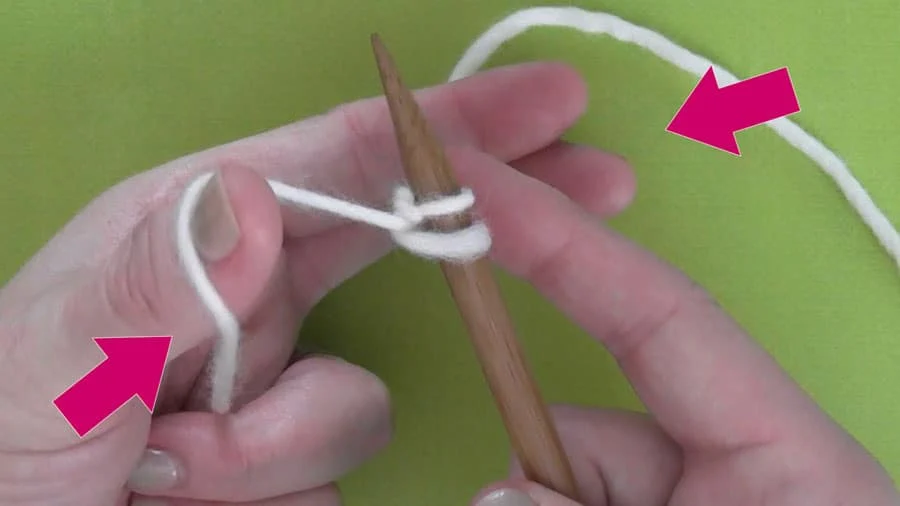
x: 725, y: 426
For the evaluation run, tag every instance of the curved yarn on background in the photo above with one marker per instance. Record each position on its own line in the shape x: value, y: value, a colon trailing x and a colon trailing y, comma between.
x: 475, y: 241
x: 606, y: 24
x: 463, y: 245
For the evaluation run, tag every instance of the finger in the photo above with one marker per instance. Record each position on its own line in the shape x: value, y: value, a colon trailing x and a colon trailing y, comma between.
x: 507, y: 112
x: 142, y: 291
x: 704, y: 379
x: 322, y: 496
x: 351, y: 151
x: 321, y: 419
x: 618, y: 457
x: 321, y: 262
x: 599, y: 181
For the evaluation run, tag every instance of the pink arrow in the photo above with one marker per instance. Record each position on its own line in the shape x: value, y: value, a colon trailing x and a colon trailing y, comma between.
x: 133, y: 367
x: 711, y: 115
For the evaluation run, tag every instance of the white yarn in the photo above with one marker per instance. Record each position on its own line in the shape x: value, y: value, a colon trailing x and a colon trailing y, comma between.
x: 464, y: 245
x: 225, y: 354
x: 472, y: 242
x: 602, y: 23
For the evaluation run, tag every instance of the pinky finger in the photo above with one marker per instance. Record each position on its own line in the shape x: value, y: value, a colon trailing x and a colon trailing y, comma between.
x: 322, y: 496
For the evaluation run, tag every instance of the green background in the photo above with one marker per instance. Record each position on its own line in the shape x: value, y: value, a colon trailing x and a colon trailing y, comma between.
x: 94, y: 91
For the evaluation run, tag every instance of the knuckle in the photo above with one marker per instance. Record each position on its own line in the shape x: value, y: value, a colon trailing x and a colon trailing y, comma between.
x: 12, y: 334
x: 361, y: 146
x: 368, y: 145
x: 239, y: 464
x: 131, y: 286
x: 245, y: 463
x: 627, y: 338
x: 543, y: 268
x: 474, y: 128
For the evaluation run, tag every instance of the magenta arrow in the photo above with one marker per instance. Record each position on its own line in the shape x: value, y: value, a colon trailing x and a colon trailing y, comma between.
x: 133, y: 367
x: 711, y: 115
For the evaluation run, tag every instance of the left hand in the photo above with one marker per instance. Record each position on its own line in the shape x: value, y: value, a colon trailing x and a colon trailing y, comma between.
x: 296, y: 427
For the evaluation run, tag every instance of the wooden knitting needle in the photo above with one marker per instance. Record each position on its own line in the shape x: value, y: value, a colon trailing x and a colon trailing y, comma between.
x: 473, y: 287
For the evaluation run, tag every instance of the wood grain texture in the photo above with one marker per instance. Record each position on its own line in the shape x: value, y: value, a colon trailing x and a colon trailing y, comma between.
x: 533, y: 437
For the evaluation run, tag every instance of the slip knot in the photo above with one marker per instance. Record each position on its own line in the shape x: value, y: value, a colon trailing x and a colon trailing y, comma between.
x: 462, y: 245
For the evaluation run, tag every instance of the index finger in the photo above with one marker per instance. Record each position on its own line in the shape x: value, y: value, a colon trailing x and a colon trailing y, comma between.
x: 350, y: 151
x: 705, y: 380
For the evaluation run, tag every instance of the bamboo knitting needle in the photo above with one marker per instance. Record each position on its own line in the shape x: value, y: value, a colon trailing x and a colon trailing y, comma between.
x: 473, y: 287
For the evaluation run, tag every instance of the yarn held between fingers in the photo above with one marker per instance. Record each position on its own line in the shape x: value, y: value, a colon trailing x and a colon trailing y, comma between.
x: 404, y: 225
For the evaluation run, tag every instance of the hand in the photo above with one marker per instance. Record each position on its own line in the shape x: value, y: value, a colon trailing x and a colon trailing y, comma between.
x: 726, y: 425
x: 298, y: 425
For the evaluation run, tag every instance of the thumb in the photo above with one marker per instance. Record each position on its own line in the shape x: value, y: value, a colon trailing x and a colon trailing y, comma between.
x: 142, y: 288
x: 522, y: 494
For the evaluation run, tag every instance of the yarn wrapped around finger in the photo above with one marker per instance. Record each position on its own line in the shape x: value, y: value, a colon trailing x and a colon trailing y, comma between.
x: 405, y: 224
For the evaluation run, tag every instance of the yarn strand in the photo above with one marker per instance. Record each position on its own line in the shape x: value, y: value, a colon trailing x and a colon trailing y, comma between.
x: 601, y: 23
x: 223, y: 367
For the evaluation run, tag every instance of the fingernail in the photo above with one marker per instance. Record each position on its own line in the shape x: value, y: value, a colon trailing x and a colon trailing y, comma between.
x: 155, y: 473
x: 507, y: 497
x: 149, y: 501
x: 215, y: 227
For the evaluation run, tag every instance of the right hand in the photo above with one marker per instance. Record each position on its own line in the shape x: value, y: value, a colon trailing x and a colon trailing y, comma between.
x: 726, y: 425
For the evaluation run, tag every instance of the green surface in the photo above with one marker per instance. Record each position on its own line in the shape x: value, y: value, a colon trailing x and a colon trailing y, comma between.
x: 94, y: 91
